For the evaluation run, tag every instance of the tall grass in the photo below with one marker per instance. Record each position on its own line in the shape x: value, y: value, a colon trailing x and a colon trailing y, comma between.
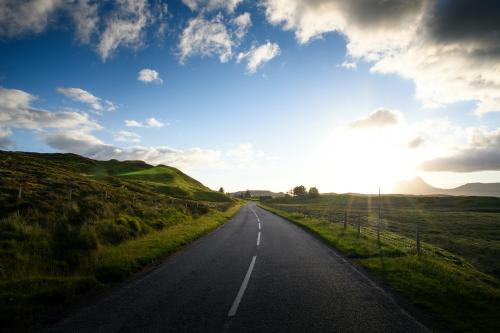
x: 37, y: 285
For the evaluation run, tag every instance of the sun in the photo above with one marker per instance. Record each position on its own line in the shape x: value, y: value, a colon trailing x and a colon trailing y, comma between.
x: 363, y: 160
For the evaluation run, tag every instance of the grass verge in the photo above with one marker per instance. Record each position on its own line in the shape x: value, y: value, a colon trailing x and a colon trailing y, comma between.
x: 114, y: 263
x: 22, y: 300
x: 446, y: 286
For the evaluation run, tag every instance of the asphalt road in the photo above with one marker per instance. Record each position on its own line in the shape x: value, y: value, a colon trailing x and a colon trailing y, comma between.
x: 256, y: 273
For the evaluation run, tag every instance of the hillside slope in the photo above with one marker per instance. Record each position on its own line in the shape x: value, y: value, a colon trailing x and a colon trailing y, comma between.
x: 66, y: 223
x: 41, y: 171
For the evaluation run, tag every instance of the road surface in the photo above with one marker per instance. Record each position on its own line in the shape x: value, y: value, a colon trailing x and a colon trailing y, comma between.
x: 256, y: 273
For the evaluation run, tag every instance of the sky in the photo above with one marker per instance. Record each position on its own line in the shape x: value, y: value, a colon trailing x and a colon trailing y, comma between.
x: 344, y: 95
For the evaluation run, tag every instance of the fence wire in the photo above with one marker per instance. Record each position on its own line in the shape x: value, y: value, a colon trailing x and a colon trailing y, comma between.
x: 368, y: 228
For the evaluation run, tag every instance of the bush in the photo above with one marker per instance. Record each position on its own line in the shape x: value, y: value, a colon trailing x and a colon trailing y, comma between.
x: 132, y: 223
x: 69, y: 239
x: 111, y: 233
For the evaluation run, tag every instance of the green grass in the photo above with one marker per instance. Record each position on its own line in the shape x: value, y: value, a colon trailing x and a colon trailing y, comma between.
x: 173, y: 182
x: 116, y: 262
x: 440, y: 282
x: 74, y: 214
x: 466, y: 226
x: 24, y: 298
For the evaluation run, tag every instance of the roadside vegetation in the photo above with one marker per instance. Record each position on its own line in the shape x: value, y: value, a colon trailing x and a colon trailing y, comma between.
x: 69, y: 225
x: 457, y: 275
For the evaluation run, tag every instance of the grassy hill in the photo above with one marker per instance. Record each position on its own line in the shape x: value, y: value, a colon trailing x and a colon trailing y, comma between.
x: 62, y: 216
x: 171, y: 181
x: 161, y: 179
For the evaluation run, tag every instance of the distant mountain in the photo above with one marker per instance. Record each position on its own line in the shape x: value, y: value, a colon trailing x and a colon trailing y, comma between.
x: 259, y: 193
x: 418, y: 186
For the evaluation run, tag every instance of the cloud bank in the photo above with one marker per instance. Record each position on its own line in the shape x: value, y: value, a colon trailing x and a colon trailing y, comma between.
x: 482, y: 153
x: 450, y: 49
x: 87, y: 145
x: 106, y: 26
x: 16, y: 111
x: 69, y: 131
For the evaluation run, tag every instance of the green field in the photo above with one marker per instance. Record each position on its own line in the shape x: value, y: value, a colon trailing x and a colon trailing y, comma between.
x: 456, y: 277
x: 69, y: 224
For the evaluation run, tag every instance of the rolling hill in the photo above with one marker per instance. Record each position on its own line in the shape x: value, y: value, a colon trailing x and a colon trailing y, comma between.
x: 418, y: 186
x: 17, y: 167
x: 69, y: 224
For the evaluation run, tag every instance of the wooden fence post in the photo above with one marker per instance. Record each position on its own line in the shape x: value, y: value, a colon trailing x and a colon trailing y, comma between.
x: 418, y: 241
x: 345, y: 220
x: 359, y: 226
x: 20, y: 193
x: 70, y: 193
x: 378, y: 233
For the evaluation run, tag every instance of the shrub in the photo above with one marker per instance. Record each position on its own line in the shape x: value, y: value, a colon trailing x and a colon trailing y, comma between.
x: 69, y: 239
x: 111, y: 233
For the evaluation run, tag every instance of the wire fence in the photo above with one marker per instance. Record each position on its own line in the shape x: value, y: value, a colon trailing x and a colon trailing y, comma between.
x: 372, y: 228
x: 22, y: 201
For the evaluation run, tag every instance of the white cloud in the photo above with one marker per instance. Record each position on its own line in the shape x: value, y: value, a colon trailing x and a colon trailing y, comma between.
x: 16, y: 111
x: 5, y: 134
x: 210, y: 5
x: 133, y: 123
x: 124, y: 22
x: 257, y: 56
x: 125, y: 26
x: 22, y: 17
x: 147, y: 75
x: 72, y: 132
x: 348, y: 65
x: 449, y: 49
x: 124, y: 136
x: 206, y: 38
x: 86, y: 19
x: 242, y: 22
x: 83, y: 96
x: 150, y: 122
x: 88, y: 145
x: 378, y: 118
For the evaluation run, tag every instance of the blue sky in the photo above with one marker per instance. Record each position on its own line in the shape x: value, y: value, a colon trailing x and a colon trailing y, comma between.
x: 325, y: 104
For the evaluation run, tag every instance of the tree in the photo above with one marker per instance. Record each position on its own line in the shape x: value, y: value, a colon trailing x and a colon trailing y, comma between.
x: 313, y: 192
x: 248, y: 194
x: 299, y: 191
x: 221, y: 190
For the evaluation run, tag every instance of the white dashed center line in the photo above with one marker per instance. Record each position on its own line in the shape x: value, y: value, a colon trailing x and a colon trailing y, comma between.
x: 259, y: 225
x: 258, y: 239
x: 254, y: 213
x: 241, y: 292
